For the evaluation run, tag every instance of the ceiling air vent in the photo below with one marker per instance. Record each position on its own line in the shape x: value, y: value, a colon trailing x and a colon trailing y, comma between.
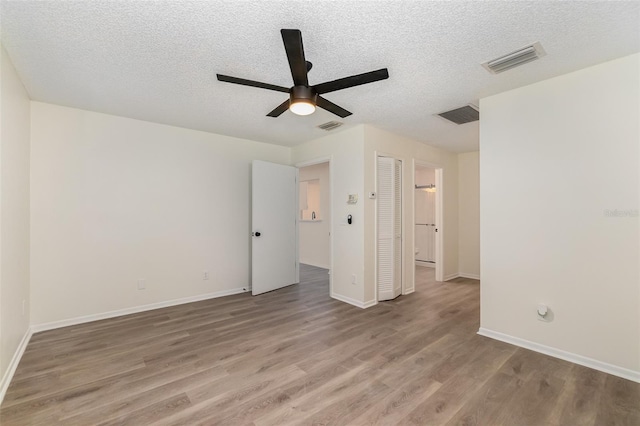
x: 330, y: 125
x: 515, y: 59
x: 466, y: 114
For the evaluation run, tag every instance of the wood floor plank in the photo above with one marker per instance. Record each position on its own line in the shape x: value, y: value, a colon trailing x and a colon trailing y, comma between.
x: 259, y: 407
x: 524, y: 363
x: 118, y: 407
x: 357, y: 378
x: 394, y: 407
x: 213, y: 407
x: 439, y: 408
x: 534, y: 402
x: 296, y: 356
x: 619, y: 402
x: 346, y: 349
x: 580, y: 397
x: 487, y: 401
x: 345, y: 409
x: 151, y: 413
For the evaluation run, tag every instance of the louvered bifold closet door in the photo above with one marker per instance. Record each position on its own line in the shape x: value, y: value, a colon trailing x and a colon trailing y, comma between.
x: 397, y: 228
x: 386, y: 226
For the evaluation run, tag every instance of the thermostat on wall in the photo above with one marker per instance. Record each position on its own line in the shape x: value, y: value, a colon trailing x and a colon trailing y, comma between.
x: 353, y: 199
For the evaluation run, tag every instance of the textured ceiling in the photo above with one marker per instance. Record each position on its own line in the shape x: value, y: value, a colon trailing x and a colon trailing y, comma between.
x: 157, y: 61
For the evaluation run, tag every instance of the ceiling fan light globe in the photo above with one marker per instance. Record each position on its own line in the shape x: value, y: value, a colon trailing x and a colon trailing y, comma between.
x: 302, y: 107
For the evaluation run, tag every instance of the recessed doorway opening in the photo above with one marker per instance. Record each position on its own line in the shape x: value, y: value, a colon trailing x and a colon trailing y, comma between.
x: 314, y: 214
x: 428, y: 221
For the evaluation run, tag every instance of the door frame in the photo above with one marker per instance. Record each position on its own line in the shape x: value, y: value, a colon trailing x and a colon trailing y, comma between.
x: 404, y: 282
x: 439, y: 214
x: 313, y: 162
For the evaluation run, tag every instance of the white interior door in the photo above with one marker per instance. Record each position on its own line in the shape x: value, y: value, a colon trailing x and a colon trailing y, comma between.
x: 389, y: 228
x: 274, y: 241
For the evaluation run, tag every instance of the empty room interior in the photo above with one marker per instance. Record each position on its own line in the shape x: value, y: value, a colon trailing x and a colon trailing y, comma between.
x: 292, y: 212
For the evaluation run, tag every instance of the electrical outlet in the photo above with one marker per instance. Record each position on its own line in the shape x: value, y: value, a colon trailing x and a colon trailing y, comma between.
x: 142, y: 284
x: 205, y: 275
x: 354, y: 279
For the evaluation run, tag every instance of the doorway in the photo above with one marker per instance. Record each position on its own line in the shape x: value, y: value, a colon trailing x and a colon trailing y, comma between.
x: 428, y: 221
x: 314, y: 215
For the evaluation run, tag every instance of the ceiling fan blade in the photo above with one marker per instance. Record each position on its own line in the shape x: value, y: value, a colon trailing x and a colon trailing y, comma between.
x: 331, y: 107
x: 295, y: 54
x: 354, y: 80
x: 242, y: 81
x: 279, y: 109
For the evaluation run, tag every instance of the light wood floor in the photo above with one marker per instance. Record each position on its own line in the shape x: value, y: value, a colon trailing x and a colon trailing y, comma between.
x: 295, y: 356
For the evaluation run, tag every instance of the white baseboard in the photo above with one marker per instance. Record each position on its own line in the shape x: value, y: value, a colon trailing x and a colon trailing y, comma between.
x: 354, y: 302
x: 425, y: 264
x: 461, y: 275
x: 470, y: 276
x: 133, y: 310
x: 15, y: 360
x: 567, y: 356
x: 369, y: 304
x: 409, y: 290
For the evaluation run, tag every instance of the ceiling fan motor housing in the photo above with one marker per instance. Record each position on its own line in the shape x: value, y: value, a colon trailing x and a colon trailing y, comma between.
x: 304, y: 94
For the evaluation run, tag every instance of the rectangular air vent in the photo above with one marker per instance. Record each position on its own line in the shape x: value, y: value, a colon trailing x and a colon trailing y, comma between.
x: 515, y: 58
x: 466, y: 114
x: 330, y: 125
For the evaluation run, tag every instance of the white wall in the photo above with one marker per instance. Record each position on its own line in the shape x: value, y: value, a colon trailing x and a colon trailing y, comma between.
x: 469, y: 214
x: 408, y: 150
x: 554, y: 157
x: 114, y: 200
x: 346, y: 149
x: 314, y: 235
x: 14, y: 216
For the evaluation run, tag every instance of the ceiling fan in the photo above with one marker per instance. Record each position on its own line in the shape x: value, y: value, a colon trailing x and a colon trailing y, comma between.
x: 303, y: 98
